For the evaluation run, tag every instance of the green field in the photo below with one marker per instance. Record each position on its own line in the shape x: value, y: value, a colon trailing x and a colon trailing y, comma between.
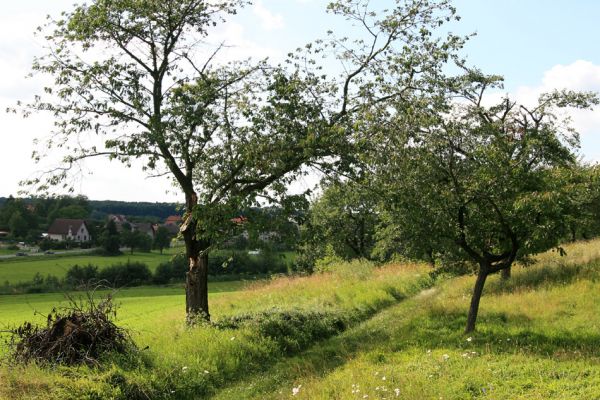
x: 537, y: 338
x: 24, y: 268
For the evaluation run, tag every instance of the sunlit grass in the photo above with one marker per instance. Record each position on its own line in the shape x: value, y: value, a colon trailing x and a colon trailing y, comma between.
x: 179, y: 362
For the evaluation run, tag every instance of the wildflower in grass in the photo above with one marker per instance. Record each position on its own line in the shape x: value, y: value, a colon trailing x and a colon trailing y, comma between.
x: 445, y: 357
x: 469, y: 339
x: 383, y: 378
x: 397, y: 391
x: 232, y: 338
x: 206, y: 372
x: 184, y: 369
x: 296, y: 390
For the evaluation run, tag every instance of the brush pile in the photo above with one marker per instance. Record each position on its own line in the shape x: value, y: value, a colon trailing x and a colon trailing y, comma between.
x: 80, y: 333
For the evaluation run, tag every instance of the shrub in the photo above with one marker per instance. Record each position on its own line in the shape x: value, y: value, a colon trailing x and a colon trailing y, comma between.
x: 128, y: 274
x: 77, y: 275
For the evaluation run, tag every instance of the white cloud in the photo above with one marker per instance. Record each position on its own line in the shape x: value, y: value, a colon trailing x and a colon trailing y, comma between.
x: 580, y: 75
x: 270, y: 21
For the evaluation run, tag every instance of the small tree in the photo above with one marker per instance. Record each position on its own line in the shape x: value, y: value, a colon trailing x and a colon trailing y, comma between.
x: 484, y: 184
x: 162, y: 239
x: 344, y: 219
x: 110, y: 240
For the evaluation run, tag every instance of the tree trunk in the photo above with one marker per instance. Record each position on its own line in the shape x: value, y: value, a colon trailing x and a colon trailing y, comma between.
x: 196, y: 288
x: 196, y: 285
x: 506, y: 273
x: 477, y: 292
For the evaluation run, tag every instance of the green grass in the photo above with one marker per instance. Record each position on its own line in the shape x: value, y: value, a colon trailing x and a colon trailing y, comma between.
x: 7, y: 252
x: 538, y: 338
x: 24, y: 268
x: 176, y: 360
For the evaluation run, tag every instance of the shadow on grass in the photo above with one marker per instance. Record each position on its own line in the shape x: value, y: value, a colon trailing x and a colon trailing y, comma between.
x: 545, y: 276
x: 409, y: 328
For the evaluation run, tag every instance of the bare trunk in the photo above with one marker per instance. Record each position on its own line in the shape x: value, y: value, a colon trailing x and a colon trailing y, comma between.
x: 196, y: 285
x: 477, y: 292
x: 506, y: 273
x: 196, y: 288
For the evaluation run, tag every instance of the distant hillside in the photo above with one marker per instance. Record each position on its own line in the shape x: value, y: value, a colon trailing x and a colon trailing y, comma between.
x: 100, y: 209
x: 134, y: 209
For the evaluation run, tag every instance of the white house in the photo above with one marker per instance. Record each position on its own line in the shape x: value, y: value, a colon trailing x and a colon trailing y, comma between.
x: 69, y: 229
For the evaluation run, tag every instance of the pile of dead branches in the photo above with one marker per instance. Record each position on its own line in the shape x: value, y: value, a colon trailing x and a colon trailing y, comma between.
x: 80, y: 333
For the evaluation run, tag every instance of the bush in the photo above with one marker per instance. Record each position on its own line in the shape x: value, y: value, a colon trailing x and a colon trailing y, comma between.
x: 163, y: 273
x: 77, y: 276
x: 128, y: 274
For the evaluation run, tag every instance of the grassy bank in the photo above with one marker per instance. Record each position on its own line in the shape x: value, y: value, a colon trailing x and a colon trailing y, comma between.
x: 537, y: 338
x: 357, y: 333
x: 190, y: 363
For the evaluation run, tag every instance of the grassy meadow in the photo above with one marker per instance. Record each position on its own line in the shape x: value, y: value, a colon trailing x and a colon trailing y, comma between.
x: 402, y: 337
x: 23, y: 269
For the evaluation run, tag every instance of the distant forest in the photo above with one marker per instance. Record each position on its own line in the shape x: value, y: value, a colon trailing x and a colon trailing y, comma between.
x: 100, y: 209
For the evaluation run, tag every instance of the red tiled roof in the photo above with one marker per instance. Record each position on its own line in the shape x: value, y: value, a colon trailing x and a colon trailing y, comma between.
x: 239, y: 220
x: 173, y: 219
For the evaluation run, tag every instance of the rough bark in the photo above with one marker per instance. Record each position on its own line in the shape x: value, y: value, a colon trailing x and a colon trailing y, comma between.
x: 196, y: 286
x: 475, y: 299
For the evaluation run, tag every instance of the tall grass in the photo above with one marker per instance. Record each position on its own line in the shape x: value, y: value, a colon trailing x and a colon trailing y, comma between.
x: 181, y: 363
x: 537, y: 338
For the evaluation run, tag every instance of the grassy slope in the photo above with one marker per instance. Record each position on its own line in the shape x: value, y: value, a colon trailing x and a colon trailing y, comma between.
x: 182, y: 363
x: 538, y: 338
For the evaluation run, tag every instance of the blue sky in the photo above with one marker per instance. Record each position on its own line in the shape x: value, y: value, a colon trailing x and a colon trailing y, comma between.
x: 536, y: 45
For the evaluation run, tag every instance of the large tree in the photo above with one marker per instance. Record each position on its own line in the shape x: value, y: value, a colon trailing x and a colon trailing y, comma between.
x: 490, y: 185
x: 133, y: 79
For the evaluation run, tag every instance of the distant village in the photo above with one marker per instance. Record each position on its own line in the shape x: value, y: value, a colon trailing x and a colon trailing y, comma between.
x: 77, y: 230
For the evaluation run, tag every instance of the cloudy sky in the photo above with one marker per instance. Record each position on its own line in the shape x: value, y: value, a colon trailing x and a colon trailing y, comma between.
x: 537, y: 45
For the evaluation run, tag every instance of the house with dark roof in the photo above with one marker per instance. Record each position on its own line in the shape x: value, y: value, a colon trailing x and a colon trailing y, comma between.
x: 69, y: 229
x: 145, y: 227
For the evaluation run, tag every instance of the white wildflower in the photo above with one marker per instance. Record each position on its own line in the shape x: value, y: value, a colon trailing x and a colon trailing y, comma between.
x: 383, y: 378
x: 445, y: 357
x: 397, y: 391
x: 469, y: 339
x: 296, y: 390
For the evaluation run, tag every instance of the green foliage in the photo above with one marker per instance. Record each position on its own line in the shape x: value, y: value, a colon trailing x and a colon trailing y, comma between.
x: 81, y: 275
x: 341, y: 223
x: 110, y: 240
x: 128, y: 274
x: 162, y: 239
x: 491, y: 182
